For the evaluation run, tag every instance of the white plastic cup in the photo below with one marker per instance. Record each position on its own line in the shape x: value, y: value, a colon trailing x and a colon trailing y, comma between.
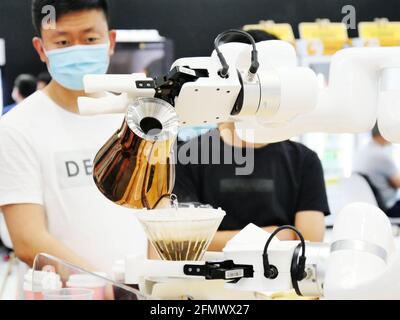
x: 35, y: 282
x: 87, y: 281
x: 68, y: 294
x: 118, y: 271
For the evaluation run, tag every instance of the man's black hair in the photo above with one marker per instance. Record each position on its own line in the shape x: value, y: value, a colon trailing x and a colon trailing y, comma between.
x: 258, y: 35
x: 63, y: 7
x: 26, y: 84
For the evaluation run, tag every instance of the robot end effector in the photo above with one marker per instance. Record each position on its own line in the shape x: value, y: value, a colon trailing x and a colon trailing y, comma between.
x: 277, y: 100
x: 268, y: 97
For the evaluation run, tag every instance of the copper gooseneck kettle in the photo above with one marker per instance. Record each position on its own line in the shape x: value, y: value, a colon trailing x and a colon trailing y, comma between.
x: 135, y: 167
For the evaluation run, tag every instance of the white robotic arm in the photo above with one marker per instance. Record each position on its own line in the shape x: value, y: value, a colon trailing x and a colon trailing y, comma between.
x: 363, y: 86
x: 275, y: 103
x: 282, y: 101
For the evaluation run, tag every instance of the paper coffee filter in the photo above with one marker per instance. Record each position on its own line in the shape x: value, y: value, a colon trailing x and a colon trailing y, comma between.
x: 181, y: 234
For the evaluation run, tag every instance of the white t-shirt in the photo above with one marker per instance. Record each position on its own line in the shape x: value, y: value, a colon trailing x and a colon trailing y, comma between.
x: 46, y: 156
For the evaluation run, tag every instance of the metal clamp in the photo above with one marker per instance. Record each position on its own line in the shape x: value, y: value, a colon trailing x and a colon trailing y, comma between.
x: 224, y: 270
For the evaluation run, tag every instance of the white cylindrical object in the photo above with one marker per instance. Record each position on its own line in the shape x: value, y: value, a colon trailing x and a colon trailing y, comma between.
x: 390, y: 79
x: 68, y: 294
x: 389, y: 115
x: 362, y: 244
x: 118, y: 271
x: 88, y: 281
x: 118, y: 83
x: 35, y: 282
x: 298, y: 94
x: 109, y: 82
x: 105, y: 105
x: 389, y: 105
x: 299, y: 89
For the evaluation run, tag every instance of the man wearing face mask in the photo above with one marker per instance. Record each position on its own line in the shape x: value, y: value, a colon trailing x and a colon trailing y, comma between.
x: 47, y: 193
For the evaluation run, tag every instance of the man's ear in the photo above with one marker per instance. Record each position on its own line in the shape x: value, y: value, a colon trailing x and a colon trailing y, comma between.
x: 113, y: 41
x: 38, y: 45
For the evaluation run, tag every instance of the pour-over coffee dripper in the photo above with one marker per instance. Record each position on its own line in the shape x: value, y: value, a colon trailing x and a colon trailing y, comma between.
x: 181, y: 234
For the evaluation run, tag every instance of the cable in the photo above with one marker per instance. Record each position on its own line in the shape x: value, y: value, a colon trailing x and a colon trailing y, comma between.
x: 254, y: 53
x: 300, y: 270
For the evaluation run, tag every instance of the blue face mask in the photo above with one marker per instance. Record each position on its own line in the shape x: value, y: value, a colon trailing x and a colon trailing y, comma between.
x: 69, y: 65
x: 188, y: 133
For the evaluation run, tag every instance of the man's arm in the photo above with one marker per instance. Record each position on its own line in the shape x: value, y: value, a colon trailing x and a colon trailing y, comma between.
x: 26, y: 224
x: 311, y: 224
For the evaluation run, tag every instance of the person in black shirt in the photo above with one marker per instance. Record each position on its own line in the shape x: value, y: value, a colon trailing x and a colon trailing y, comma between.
x: 268, y: 185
